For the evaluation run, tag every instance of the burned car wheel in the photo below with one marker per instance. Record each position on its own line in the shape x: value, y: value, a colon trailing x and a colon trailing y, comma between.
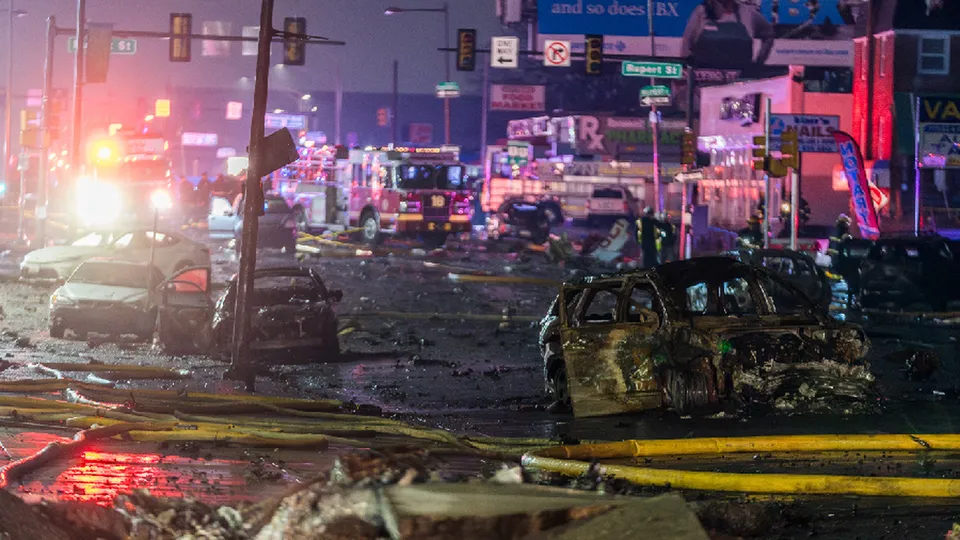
x: 691, y: 389
x: 557, y: 387
x: 371, y: 229
x: 57, y: 331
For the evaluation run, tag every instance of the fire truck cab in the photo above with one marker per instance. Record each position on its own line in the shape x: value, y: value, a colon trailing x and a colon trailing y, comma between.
x: 397, y: 191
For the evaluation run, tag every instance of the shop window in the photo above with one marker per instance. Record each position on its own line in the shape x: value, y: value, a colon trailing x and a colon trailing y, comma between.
x: 934, y: 56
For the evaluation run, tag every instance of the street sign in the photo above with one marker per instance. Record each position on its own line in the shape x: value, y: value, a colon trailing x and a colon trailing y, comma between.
x: 505, y: 52
x: 117, y: 45
x: 814, y: 132
x: 556, y: 53
x: 447, y: 90
x: 198, y: 139
x: 660, y: 70
x: 518, y: 153
x: 649, y: 101
x: 281, y: 120
x: 658, y: 90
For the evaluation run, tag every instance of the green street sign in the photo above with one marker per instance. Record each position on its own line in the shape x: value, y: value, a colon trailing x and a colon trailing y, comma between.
x: 658, y: 90
x: 448, y: 90
x: 518, y: 153
x: 117, y: 45
x: 662, y: 70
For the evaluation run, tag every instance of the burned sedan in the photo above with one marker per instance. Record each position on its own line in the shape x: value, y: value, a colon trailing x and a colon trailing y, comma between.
x: 693, y: 335
x: 292, y: 318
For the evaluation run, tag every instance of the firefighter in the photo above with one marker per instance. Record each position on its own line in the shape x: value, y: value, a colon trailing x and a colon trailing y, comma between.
x: 751, y: 237
x: 648, y: 238
x: 668, y: 241
x: 203, y: 194
x: 841, y: 232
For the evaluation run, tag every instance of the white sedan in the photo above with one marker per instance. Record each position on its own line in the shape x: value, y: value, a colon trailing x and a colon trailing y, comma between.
x: 173, y: 252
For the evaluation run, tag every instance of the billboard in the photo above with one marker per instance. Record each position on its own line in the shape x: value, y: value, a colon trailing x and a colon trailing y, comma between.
x: 518, y: 97
x: 723, y: 34
x: 940, y: 132
x: 626, y: 137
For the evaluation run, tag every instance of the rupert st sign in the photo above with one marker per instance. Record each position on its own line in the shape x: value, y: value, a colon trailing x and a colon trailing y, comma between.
x: 814, y: 132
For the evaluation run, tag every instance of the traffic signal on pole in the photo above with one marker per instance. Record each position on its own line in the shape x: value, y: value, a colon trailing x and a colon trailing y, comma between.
x: 383, y: 117
x: 789, y: 147
x: 181, y: 26
x: 688, y: 149
x: 594, y: 50
x: 161, y: 108
x: 294, y: 44
x: 466, y: 49
x: 57, y: 111
x: 760, y: 153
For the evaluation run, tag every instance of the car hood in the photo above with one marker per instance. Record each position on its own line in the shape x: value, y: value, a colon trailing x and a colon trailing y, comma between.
x: 56, y: 254
x: 101, y: 293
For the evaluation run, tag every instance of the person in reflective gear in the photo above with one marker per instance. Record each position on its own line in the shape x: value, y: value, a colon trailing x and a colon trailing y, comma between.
x: 668, y: 238
x: 648, y: 238
x: 751, y: 237
x: 841, y: 232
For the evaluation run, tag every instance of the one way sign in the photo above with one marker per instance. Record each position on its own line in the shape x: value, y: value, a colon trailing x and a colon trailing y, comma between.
x: 504, y: 52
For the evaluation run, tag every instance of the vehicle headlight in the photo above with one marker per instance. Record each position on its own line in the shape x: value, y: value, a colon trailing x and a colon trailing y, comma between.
x: 161, y: 200
x: 60, y: 300
x: 98, y: 203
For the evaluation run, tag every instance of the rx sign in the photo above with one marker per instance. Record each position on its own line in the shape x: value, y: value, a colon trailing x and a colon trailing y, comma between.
x: 556, y: 53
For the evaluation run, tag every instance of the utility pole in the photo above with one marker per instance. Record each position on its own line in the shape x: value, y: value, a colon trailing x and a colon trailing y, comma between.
x: 394, y: 123
x: 8, y: 103
x: 446, y: 67
x: 654, y: 120
x: 767, y: 192
x: 43, y: 189
x: 76, y: 160
x: 241, y: 367
x: 338, y: 104
x: 485, y: 96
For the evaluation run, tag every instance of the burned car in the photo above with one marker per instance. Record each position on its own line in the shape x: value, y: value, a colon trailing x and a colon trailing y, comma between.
x: 293, y: 317
x: 794, y: 267
x: 910, y: 272
x: 694, y: 335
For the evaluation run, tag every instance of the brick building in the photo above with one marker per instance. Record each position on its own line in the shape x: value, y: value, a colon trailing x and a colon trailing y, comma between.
x: 913, y: 50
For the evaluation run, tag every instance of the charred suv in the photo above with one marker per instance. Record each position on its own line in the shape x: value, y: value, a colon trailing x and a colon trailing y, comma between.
x: 693, y: 335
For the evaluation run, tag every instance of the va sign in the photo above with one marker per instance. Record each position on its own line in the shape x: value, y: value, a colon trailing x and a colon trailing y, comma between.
x: 940, y: 146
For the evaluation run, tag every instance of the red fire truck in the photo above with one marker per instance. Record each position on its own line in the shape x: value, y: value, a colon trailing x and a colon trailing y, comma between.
x: 398, y: 191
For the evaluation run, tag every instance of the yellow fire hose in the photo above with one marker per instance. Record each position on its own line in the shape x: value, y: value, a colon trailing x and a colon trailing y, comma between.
x: 122, y: 370
x: 468, y: 278
x: 570, y: 461
x: 444, y: 316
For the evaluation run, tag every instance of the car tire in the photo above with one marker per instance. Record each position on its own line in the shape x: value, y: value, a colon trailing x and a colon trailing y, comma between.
x: 57, y: 331
x: 371, y: 229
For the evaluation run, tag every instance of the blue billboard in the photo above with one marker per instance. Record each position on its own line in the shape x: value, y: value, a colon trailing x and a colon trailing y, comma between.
x: 716, y: 33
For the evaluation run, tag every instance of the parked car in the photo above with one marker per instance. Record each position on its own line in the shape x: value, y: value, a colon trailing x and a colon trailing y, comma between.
x: 173, y: 252
x: 690, y: 335
x: 607, y: 204
x: 519, y: 219
x: 106, y: 296
x: 901, y: 273
x: 278, y: 226
x: 794, y: 267
x: 293, y: 316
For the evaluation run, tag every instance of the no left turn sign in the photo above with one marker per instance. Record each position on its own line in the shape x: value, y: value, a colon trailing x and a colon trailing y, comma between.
x: 556, y: 53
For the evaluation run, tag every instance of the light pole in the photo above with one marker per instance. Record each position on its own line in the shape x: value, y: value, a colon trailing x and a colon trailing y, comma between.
x: 446, y: 61
x: 8, y: 97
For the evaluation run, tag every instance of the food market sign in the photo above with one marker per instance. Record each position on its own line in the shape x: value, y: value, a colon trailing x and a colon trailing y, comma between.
x: 517, y: 97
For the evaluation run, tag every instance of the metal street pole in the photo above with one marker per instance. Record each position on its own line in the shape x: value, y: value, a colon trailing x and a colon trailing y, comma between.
x: 43, y: 189
x: 8, y: 101
x: 767, y: 195
x: 338, y: 106
x: 654, y: 120
x: 446, y: 67
x: 394, y: 122
x: 485, y: 96
x: 794, y: 206
x: 916, y: 167
x: 75, y: 129
x: 241, y: 367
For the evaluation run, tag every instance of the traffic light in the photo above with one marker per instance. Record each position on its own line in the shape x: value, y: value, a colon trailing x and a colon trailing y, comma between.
x: 181, y: 25
x: 383, y: 117
x: 294, y: 46
x: 57, y: 111
x: 760, y: 153
x: 161, y: 108
x: 688, y: 149
x: 466, y: 49
x: 594, y: 46
x: 789, y: 147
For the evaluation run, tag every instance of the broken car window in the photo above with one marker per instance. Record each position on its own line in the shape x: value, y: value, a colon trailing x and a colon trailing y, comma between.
x: 737, y: 299
x: 644, y: 305
x: 785, y: 300
x: 697, y: 299
x: 600, y: 305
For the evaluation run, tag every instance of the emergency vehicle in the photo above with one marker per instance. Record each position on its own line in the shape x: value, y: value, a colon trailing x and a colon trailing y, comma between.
x: 398, y: 191
x: 127, y: 181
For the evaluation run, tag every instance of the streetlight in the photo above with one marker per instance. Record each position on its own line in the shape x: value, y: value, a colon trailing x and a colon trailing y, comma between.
x: 8, y: 98
x: 306, y: 97
x: 446, y: 61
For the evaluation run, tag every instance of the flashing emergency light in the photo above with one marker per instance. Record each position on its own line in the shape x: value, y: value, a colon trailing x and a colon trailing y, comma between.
x: 3, y: 189
x: 161, y: 200
x: 104, y: 152
x: 98, y: 203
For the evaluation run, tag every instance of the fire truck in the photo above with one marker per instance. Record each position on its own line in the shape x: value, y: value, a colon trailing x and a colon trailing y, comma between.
x: 127, y: 181
x: 401, y: 191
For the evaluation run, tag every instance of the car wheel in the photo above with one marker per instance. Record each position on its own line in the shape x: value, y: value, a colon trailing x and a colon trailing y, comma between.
x: 557, y: 384
x: 57, y: 331
x: 371, y: 229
